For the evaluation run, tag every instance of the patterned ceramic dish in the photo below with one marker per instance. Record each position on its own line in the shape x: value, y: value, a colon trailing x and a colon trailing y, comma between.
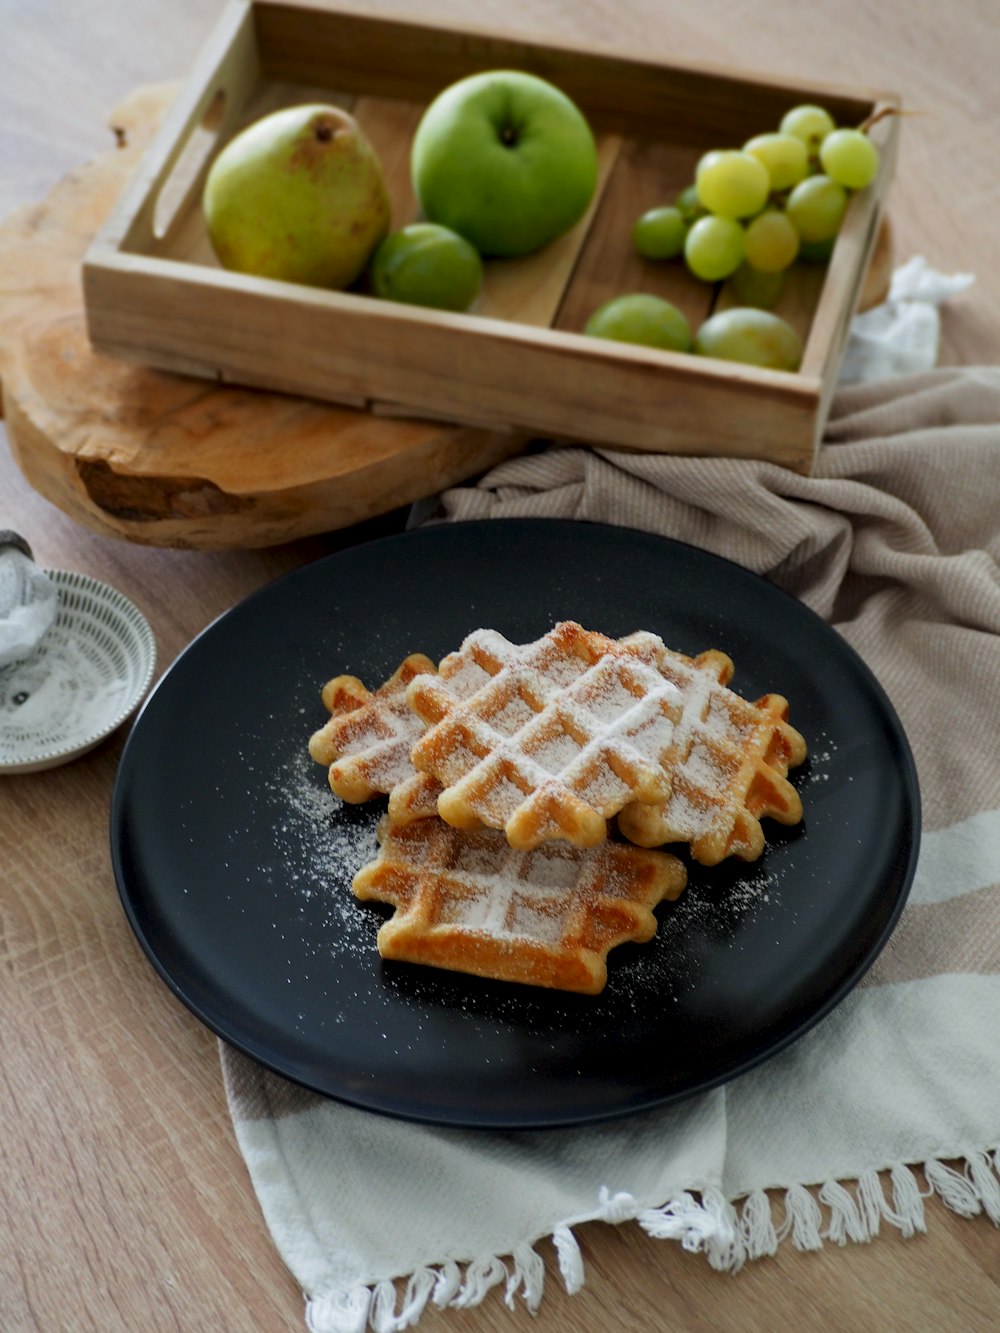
x: 81, y: 682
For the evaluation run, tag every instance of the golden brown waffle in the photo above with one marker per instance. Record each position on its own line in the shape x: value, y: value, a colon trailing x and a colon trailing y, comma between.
x: 368, y: 739
x: 546, y: 740
x: 469, y: 902
x: 729, y: 766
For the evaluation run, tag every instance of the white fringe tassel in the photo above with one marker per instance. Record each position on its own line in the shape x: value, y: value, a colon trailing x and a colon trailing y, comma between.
x: 703, y: 1221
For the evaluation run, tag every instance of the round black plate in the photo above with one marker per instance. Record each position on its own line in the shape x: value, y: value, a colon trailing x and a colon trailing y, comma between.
x: 234, y: 860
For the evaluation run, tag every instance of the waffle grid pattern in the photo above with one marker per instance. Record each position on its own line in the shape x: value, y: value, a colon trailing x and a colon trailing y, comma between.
x: 470, y: 902
x: 729, y: 764
x: 368, y: 739
x: 549, y: 739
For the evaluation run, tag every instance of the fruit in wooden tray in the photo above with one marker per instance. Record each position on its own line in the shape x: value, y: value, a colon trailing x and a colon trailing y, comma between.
x: 641, y: 318
x: 749, y: 286
x: 816, y: 208
x: 714, y: 247
x: 299, y: 195
x: 809, y: 123
x: 755, y: 337
x: 784, y: 195
x: 784, y: 156
x: 688, y: 204
x: 772, y: 242
x: 732, y: 184
x: 850, y: 158
x: 660, y: 233
x: 428, y: 265
x: 506, y: 159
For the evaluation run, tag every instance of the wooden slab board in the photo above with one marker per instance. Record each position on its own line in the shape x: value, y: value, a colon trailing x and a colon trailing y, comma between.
x: 162, y: 459
x: 166, y: 460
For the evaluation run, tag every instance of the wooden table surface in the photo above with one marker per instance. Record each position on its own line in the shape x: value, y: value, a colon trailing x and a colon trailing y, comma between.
x: 126, y: 1204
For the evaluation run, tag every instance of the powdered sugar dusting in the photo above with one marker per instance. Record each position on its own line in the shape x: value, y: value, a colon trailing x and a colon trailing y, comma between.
x: 571, y: 715
x: 720, y: 907
x: 322, y: 844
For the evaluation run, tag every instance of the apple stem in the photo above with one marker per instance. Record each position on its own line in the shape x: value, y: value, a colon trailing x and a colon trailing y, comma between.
x: 508, y: 135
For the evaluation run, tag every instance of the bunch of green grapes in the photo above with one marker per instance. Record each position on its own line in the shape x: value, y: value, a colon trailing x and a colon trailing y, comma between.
x: 752, y: 211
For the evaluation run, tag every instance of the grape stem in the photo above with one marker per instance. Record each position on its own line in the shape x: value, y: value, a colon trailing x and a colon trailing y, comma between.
x: 881, y: 114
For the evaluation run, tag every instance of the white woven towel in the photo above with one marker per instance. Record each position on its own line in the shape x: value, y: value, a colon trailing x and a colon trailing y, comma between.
x: 895, y: 540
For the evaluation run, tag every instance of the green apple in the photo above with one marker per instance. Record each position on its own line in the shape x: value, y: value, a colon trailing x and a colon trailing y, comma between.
x: 505, y: 159
x: 299, y: 195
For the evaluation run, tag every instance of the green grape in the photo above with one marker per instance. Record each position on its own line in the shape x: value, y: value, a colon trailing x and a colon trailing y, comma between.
x: 707, y: 160
x: 687, y: 204
x: 733, y: 184
x: 753, y: 336
x: 428, y: 265
x: 817, y: 252
x: 660, y: 233
x: 850, y: 158
x: 641, y: 318
x: 749, y: 286
x: 816, y: 208
x: 714, y: 248
x: 771, y: 242
x: 811, y: 124
x: 784, y: 156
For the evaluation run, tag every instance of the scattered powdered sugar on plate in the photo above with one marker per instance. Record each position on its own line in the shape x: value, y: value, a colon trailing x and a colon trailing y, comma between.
x: 322, y: 843
x: 714, y: 905
x: 819, y: 761
x: 717, y: 908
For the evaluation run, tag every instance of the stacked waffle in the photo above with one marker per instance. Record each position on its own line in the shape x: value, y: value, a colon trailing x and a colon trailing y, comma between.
x: 503, y: 768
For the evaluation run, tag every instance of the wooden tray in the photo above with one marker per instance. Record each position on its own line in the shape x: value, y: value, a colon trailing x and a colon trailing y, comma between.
x: 165, y: 460
x: 155, y: 294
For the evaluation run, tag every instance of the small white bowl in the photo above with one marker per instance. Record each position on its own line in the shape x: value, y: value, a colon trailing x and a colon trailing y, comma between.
x: 82, y: 681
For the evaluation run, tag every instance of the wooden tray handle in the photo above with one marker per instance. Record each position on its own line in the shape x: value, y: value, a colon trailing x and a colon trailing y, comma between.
x: 205, y: 112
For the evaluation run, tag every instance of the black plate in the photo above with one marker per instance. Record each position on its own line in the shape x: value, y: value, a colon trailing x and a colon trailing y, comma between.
x: 234, y: 861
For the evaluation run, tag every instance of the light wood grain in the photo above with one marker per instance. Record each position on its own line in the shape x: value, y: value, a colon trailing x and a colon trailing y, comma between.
x: 124, y: 1199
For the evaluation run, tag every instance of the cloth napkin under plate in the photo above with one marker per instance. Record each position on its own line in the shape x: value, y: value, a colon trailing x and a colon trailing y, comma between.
x: 895, y: 540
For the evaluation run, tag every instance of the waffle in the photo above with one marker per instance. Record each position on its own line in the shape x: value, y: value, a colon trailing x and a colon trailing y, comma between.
x: 469, y: 902
x: 729, y: 765
x: 546, y: 740
x: 367, y: 741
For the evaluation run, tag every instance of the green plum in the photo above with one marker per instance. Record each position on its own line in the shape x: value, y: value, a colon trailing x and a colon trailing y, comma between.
x: 427, y: 265
x: 756, y: 337
x: 641, y: 318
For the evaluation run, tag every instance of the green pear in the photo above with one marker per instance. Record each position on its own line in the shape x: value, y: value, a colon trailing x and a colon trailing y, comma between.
x: 299, y: 195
